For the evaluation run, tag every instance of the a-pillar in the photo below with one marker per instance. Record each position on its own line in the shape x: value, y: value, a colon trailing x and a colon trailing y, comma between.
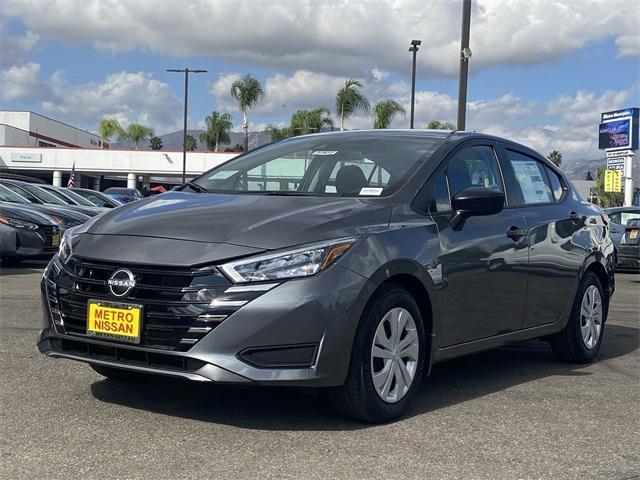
x: 57, y: 178
x: 131, y: 180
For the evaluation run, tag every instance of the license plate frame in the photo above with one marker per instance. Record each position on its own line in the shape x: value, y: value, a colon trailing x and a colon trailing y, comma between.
x: 125, y: 307
x: 633, y: 234
x: 55, y: 240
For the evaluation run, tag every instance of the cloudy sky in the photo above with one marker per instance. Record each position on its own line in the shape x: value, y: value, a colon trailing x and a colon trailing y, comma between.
x: 541, y: 71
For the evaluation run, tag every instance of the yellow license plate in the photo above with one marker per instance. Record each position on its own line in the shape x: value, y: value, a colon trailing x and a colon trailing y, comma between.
x: 115, y: 321
x: 55, y: 240
x: 633, y: 234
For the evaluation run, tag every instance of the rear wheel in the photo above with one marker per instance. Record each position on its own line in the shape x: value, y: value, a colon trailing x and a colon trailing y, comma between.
x: 119, y: 374
x: 580, y: 340
x: 387, y: 360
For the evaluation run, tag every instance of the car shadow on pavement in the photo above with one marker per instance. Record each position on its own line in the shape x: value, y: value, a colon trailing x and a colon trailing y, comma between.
x: 23, y: 268
x: 450, y: 383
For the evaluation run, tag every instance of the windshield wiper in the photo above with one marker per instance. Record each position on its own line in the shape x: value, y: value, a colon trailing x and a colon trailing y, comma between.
x: 196, y: 187
x: 285, y: 193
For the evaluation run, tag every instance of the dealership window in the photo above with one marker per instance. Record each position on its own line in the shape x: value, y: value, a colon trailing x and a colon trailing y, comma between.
x: 531, y: 179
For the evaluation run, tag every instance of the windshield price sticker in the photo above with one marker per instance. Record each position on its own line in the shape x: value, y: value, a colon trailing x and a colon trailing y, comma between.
x: 377, y: 191
x: 325, y: 152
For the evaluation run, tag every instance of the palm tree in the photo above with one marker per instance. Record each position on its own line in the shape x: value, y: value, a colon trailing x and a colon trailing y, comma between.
x: 217, y: 131
x: 109, y: 128
x: 248, y: 92
x: 438, y: 125
x: 137, y: 133
x: 155, y: 143
x: 385, y: 112
x: 278, y: 133
x: 191, y: 143
x: 310, y: 121
x: 349, y: 99
x: 555, y: 157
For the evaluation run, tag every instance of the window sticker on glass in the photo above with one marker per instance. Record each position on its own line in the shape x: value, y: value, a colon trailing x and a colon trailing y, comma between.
x: 325, y: 152
x: 371, y: 191
x: 532, y: 184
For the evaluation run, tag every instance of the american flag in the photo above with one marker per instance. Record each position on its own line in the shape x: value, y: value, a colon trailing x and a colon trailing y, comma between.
x: 72, y: 177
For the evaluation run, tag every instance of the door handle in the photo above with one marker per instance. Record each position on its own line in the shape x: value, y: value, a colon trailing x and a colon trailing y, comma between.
x: 516, y: 233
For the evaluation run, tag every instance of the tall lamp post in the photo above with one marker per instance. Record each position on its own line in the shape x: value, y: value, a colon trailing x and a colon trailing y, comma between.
x: 186, y: 72
x: 414, y: 49
x: 465, y: 55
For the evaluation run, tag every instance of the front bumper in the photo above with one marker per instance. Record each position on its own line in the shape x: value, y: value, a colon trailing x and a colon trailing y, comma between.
x: 22, y: 243
x: 299, y: 333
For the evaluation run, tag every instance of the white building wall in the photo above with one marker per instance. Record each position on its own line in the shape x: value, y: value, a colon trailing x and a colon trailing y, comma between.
x: 109, y: 162
x: 15, y: 136
x: 39, y: 128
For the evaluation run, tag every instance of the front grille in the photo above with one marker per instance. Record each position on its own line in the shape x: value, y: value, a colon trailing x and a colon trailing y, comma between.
x: 127, y: 356
x: 177, y: 310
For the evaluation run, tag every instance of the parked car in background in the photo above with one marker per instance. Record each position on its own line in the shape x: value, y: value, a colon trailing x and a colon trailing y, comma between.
x: 124, y: 195
x: 36, y: 194
x: 99, y: 199
x: 64, y: 216
x: 71, y: 198
x: 618, y: 219
x: 26, y: 233
x: 387, y: 252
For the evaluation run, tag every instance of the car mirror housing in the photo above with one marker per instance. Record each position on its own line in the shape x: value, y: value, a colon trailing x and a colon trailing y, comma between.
x: 475, y: 201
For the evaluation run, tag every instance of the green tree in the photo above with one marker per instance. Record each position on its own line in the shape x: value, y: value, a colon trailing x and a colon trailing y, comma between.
x: 248, y: 92
x: 137, y: 133
x: 217, y: 130
x: 310, y: 121
x: 278, y: 133
x: 349, y: 99
x: 555, y: 157
x: 155, y: 143
x: 236, y: 148
x: 438, y: 125
x: 191, y: 143
x: 109, y: 128
x: 385, y: 111
x: 605, y: 199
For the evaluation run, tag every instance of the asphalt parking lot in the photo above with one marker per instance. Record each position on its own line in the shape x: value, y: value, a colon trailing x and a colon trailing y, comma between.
x: 513, y: 413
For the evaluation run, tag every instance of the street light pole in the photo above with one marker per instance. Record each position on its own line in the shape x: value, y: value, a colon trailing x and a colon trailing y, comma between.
x: 186, y: 72
x: 414, y: 49
x: 465, y: 55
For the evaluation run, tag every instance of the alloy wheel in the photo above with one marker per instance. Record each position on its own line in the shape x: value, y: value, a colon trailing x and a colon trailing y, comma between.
x: 591, y: 317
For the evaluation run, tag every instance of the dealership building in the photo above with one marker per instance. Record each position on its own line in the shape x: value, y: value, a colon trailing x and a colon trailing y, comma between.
x: 41, y: 147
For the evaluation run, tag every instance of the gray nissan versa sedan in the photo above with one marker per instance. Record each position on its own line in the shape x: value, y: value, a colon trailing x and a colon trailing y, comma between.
x: 353, y: 261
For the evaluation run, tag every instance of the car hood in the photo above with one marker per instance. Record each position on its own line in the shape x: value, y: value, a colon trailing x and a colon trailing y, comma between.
x: 256, y: 221
x: 26, y: 213
x: 68, y: 216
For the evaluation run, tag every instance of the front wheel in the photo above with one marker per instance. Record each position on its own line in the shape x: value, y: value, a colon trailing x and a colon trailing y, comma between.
x: 387, y: 360
x: 581, y: 338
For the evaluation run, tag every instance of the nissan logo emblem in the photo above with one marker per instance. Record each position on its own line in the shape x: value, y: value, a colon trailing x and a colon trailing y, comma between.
x: 121, y: 282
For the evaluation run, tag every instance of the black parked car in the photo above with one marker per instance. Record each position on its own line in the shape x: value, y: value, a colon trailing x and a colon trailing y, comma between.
x: 69, y: 197
x: 352, y: 261
x: 99, y: 199
x: 124, y: 195
x: 27, y: 233
x: 39, y: 195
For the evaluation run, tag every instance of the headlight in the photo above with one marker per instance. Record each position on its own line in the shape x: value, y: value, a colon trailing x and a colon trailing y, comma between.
x: 300, y: 262
x: 15, y: 223
x: 65, y: 251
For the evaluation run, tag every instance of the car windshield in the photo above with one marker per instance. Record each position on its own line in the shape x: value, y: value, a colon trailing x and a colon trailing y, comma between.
x: 7, y: 195
x: 345, y: 165
x: 97, y: 199
x: 45, y: 196
x: 77, y: 198
x: 118, y: 191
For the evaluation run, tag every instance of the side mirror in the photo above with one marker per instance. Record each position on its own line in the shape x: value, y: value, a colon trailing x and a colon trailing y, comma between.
x: 475, y: 201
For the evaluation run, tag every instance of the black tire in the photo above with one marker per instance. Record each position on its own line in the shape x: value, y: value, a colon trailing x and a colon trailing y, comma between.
x: 568, y: 344
x: 119, y: 374
x: 357, y: 398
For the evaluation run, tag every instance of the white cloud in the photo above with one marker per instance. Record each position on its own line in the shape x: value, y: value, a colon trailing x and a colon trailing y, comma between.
x: 337, y: 37
x: 22, y: 84
x: 379, y: 75
x: 15, y: 49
